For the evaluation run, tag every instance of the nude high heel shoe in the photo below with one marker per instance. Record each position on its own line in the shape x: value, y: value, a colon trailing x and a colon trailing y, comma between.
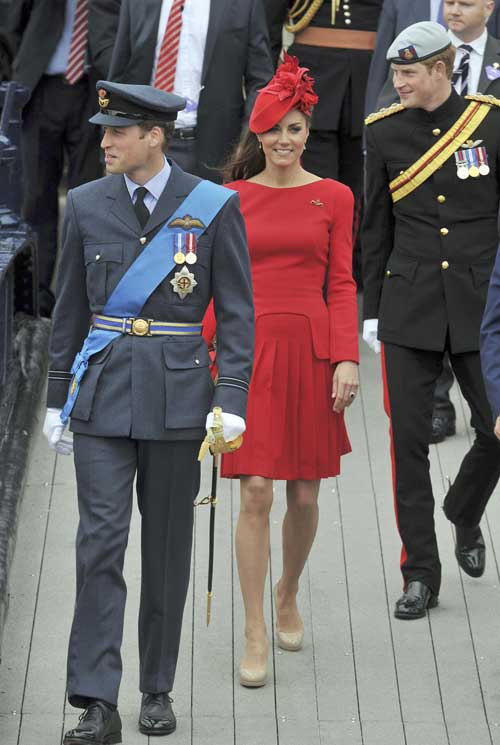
x: 253, y: 672
x: 292, y: 641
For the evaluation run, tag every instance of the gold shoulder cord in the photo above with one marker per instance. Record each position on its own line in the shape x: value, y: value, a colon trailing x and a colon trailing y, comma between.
x: 309, y: 8
x: 484, y: 98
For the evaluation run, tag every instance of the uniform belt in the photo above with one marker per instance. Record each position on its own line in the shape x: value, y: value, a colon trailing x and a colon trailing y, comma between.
x: 185, y: 133
x: 145, y: 326
x: 315, y: 36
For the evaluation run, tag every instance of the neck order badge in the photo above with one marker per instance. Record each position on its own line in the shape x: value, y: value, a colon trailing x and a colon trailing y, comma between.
x: 142, y: 278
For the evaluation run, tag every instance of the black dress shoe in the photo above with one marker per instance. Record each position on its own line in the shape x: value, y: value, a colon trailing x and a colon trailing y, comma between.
x: 156, y: 717
x: 442, y: 426
x: 99, y: 725
x: 414, y: 602
x: 470, y: 550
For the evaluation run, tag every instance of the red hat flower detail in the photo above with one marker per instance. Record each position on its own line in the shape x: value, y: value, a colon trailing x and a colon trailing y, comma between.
x: 290, y: 88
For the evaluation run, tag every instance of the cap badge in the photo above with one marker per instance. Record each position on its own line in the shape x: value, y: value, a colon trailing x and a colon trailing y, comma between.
x: 186, y: 223
x: 103, y: 100
x: 183, y: 282
x: 408, y: 53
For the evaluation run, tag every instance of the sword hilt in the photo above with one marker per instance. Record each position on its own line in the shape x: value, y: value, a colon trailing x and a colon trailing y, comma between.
x: 209, y: 606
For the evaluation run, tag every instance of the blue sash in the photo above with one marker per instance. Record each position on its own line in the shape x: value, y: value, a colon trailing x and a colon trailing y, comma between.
x: 143, y: 277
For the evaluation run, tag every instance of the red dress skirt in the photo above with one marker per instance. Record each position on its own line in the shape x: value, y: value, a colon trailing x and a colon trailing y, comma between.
x: 300, y: 243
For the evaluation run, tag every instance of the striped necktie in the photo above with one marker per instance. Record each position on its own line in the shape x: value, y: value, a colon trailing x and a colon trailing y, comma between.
x: 169, y: 50
x: 460, y: 78
x: 75, y: 66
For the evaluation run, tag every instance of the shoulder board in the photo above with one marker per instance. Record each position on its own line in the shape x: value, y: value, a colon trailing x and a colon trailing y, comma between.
x: 382, y: 113
x: 483, y: 98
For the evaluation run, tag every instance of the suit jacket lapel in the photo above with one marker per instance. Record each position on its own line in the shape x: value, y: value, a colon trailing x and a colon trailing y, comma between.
x: 122, y: 206
x: 178, y: 187
x: 491, y: 55
x: 217, y: 9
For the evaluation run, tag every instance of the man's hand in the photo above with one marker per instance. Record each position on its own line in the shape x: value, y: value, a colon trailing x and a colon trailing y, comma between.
x: 345, y: 385
x: 497, y: 427
x: 224, y: 432
x: 53, y: 429
x: 370, y: 329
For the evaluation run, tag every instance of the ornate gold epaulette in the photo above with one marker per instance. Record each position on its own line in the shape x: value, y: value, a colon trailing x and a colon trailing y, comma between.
x: 484, y: 98
x: 382, y: 113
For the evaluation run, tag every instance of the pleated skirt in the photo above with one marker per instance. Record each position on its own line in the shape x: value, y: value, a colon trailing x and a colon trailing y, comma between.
x: 292, y: 432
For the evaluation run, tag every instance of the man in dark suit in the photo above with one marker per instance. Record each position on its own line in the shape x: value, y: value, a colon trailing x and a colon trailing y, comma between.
x: 222, y: 58
x: 54, y: 60
x: 144, y: 251
x: 430, y: 239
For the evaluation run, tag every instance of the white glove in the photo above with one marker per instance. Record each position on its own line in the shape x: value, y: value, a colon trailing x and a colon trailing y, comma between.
x: 53, y: 429
x: 370, y: 329
x: 233, y: 425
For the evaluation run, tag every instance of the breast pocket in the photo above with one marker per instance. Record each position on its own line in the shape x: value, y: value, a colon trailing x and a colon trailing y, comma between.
x: 188, y: 383
x: 103, y: 262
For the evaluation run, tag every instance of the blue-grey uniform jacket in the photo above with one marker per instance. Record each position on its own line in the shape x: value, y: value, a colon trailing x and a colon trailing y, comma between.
x: 150, y: 388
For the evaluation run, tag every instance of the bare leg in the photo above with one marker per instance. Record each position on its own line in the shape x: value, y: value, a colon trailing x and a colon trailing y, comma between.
x: 252, y: 554
x: 299, y: 530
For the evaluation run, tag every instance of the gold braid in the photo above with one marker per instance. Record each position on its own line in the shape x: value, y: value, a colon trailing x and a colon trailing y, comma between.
x: 309, y: 8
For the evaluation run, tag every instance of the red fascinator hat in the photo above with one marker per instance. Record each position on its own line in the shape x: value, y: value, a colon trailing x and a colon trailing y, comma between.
x: 290, y: 88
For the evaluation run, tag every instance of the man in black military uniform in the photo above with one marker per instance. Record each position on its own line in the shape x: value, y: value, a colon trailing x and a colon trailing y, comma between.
x: 144, y: 251
x: 430, y: 238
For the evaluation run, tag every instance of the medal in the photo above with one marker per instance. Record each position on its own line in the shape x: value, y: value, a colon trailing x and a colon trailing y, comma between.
x: 191, y: 256
x: 179, y: 257
x: 461, y: 163
x: 183, y: 282
x: 484, y: 168
x: 471, y: 156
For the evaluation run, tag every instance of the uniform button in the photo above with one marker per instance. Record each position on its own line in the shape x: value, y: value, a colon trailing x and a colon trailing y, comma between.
x: 496, y: 65
x: 197, y: 362
x: 444, y: 231
x: 401, y: 173
x: 97, y: 257
x: 436, y: 132
x: 347, y: 13
x: 388, y: 273
x: 444, y: 265
x: 441, y: 199
x: 142, y: 240
x: 347, y: 20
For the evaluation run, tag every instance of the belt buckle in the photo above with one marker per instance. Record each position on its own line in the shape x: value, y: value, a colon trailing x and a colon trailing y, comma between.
x: 140, y: 326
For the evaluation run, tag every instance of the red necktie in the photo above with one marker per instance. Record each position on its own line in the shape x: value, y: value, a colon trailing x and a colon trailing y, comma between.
x: 167, y: 59
x: 76, y: 58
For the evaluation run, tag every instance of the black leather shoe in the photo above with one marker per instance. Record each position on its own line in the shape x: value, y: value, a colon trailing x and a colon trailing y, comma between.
x: 99, y: 725
x: 442, y: 426
x: 470, y: 550
x: 414, y: 602
x: 156, y: 717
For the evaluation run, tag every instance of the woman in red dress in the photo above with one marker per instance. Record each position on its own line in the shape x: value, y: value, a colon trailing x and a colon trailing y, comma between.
x: 305, y: 367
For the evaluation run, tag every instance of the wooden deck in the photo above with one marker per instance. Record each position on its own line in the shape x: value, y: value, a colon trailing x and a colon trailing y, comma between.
x: 363, y: 678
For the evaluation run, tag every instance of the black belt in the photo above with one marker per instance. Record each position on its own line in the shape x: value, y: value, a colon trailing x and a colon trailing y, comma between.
x: 185, y: 133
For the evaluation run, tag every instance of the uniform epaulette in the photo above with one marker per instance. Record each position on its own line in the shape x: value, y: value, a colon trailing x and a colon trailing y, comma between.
x: 484, y: 98
x: 382, y: 113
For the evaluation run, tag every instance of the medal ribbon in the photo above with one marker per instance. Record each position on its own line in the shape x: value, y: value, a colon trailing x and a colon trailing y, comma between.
x: 430, y: 161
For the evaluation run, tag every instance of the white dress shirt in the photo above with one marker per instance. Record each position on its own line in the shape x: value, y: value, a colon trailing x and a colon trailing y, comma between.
x: 476, y: 58
x: 155, y: 187
x: 193, y: 39
x: 59, y: 60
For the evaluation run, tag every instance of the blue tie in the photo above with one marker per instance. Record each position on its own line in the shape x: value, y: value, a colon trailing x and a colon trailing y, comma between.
x: 440, y: 18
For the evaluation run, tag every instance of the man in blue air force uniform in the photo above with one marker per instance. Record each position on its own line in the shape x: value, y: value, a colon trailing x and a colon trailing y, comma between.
x: 145, y: 249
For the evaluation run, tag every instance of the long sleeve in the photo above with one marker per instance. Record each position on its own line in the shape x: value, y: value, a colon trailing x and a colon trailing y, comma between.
x: 233, y: 304
x: 377, y: 235
x: 341, y: 293
x: 122, y: 50
x: 379, y: 67
x: 259, y: 67
x: 103, y: 25
x: 276, y: 12
x: 71, y: 318
x: 490, y: 341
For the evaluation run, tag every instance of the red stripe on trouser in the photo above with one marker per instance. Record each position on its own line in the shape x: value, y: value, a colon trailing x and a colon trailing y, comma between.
x: 387, y: 408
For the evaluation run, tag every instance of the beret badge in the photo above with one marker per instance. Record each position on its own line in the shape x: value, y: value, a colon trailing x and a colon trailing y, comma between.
x: 408, y: 53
